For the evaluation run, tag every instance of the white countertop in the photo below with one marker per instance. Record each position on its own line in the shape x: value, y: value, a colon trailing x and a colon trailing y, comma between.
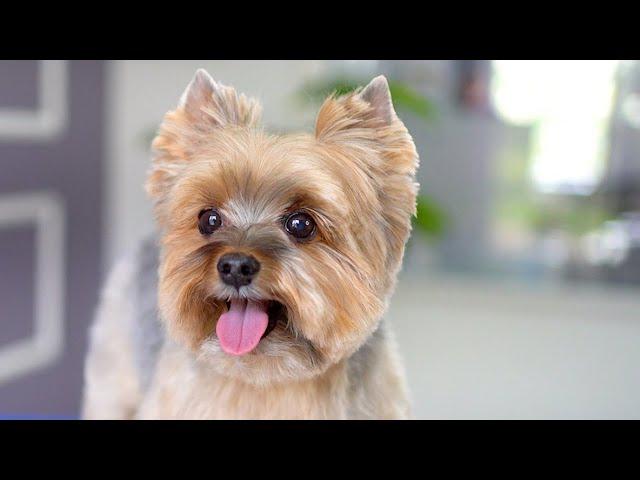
x: 482, y: 348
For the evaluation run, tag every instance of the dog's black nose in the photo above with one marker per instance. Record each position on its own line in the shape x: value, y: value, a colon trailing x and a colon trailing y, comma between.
x: 237, y: 269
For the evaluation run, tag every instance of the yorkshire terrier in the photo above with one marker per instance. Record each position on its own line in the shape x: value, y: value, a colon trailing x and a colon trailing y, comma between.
x: 262, y: 295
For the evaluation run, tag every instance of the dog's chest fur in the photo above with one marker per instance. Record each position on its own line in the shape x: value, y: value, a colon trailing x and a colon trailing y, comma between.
x: 184, y: 389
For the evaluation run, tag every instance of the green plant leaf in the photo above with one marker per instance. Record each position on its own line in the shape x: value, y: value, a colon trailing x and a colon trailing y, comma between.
x: 406, y: 98
x: 430, y: 219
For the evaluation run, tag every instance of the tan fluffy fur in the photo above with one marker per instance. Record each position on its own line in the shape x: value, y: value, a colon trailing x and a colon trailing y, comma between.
x: 355, y: 176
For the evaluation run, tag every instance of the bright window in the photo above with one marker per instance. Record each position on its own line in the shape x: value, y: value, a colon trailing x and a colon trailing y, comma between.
x: 568, y: 104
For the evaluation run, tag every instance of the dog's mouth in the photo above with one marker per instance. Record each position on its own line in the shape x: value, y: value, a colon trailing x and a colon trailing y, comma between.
x: 246, y: 322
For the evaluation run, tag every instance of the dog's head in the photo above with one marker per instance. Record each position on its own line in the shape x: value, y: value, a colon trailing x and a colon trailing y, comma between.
x: 279, y: 253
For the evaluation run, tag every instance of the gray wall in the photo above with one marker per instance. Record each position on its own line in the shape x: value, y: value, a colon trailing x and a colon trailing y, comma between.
x: 51, y: 153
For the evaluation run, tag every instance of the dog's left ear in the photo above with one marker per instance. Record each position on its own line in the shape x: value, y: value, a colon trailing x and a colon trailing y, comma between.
x: 364, y: 123
x: 378, y: 96
x: 369, y: 135
x: 368, y: 108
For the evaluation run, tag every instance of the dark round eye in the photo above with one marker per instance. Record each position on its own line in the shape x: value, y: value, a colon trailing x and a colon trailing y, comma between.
x: 209, y: 221
x: 300, y: 225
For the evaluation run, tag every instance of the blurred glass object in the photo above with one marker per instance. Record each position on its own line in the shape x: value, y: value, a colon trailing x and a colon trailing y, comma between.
x: 610, y: 245
x: 473, y: 81
x: 631, y: 109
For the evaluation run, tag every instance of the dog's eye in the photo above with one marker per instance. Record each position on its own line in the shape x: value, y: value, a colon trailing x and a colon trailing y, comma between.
x: 300, y: 225
x: 209, y: 221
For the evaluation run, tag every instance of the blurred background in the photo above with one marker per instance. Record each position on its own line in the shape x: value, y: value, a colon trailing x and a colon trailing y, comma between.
x: 520, y: 291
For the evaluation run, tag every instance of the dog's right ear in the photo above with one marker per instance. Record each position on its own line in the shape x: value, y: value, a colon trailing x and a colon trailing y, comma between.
x: 206, y: 107
x: 209, y: 103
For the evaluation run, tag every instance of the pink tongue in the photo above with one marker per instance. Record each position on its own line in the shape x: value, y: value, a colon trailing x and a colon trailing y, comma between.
x: 241, y: 328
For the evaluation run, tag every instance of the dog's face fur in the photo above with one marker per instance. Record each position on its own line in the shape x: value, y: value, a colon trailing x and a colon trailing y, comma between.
x: 352, y: 182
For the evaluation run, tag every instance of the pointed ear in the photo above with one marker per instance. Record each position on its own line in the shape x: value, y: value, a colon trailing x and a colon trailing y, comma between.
x: 362, y: 130
x: 206, y: 108
x: 209, y: 102
x: 370, y: 108
x: 198, y: 93
x: 378, y: 96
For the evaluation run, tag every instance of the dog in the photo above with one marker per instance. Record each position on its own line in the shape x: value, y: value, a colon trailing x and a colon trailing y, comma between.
x: 263, y: 292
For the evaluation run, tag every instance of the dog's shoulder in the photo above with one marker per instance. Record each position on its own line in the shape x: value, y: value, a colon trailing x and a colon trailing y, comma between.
x: 147, y: 332
x: 129, y: 299
x: 125, y: 336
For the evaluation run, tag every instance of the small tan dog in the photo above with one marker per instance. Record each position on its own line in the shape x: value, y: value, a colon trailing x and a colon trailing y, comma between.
x: 275, y: 260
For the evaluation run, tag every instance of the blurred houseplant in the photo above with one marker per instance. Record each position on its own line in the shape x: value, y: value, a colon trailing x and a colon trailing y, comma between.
x: 430, y: 219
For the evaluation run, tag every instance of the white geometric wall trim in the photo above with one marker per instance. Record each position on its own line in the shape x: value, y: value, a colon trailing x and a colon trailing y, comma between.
x: 47, y: 122
x: 46, y: 210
